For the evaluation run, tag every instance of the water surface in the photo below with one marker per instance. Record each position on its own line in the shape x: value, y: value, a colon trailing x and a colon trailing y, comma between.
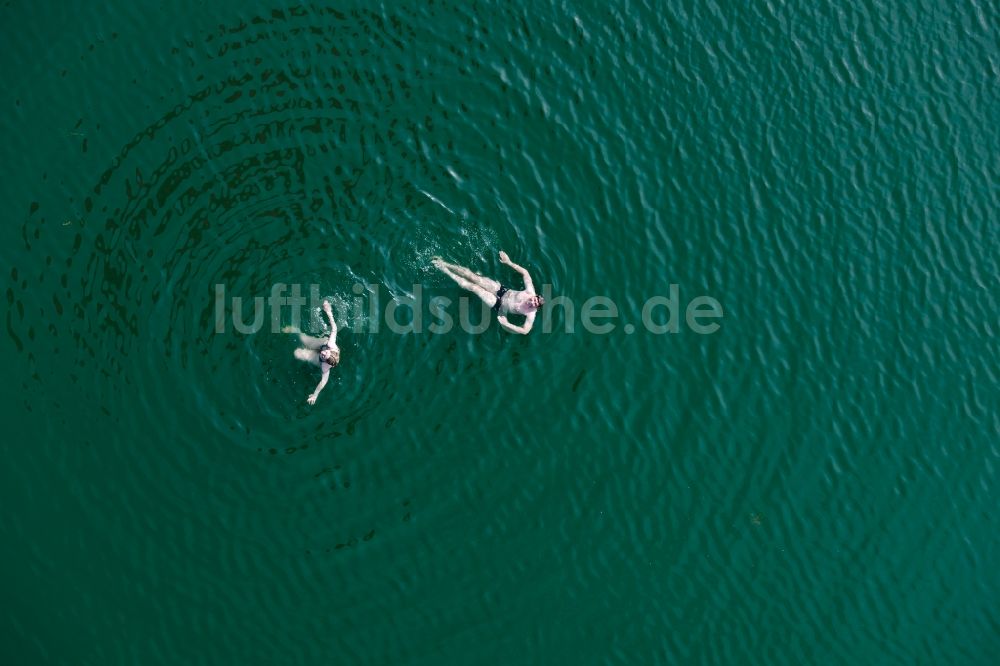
x: 816, y: 482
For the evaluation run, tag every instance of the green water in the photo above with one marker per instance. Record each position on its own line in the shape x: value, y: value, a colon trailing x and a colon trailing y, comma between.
x: 814, y: 483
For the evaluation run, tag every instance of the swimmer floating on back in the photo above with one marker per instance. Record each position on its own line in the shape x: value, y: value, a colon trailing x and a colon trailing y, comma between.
x: 322, y: 352
x: 503, y: 300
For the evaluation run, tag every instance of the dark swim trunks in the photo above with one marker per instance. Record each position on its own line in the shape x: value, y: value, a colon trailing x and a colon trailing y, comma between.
x: 500, y: 292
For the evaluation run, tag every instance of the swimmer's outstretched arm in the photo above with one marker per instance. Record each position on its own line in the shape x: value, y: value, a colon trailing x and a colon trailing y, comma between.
x: 319, y: 387
x: 529, y: 321
x: 333, y: 325
x: 528, y: 286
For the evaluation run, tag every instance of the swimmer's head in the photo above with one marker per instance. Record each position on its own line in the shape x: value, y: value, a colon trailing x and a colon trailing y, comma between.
x: 330, y: 356
x: 537, y: 302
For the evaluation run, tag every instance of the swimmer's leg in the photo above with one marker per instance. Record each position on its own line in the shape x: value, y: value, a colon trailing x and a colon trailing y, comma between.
x: 486, y: 283
x: 458, y: 273
x: 307, y: 340
x: 307, y: 355
x: 311, y: 342
x: 488, y: 297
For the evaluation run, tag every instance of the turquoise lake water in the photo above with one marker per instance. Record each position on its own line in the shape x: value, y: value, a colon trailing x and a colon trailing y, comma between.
x: 814, y: 482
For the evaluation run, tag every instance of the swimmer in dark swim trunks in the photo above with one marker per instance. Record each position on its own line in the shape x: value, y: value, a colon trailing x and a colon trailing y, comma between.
x: 322, y: 352
x: 503, y: 300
